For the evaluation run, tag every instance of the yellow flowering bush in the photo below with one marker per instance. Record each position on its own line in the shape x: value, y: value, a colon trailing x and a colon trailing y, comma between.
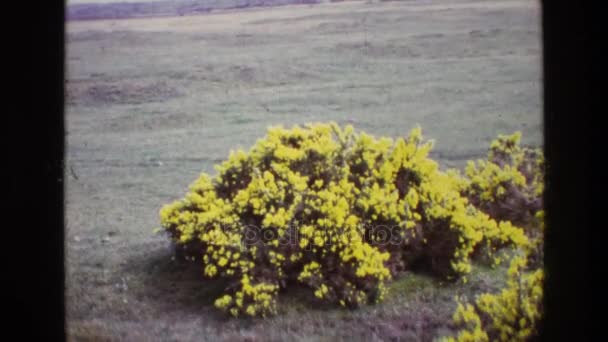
x: 510, y: 183
x: 511, y: 315
x: 339, y: 211
x: 508, y: 186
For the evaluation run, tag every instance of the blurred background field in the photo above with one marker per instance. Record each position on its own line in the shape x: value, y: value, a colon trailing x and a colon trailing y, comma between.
x: 152, y: 102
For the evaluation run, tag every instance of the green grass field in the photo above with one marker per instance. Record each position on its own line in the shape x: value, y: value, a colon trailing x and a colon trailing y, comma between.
x: 153, y: 102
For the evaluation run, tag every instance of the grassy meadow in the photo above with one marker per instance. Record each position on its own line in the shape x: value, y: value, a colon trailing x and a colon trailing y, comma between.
x: 151, y: 103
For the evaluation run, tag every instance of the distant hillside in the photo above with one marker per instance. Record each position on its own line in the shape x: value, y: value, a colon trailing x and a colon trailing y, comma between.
x: 119, y: 10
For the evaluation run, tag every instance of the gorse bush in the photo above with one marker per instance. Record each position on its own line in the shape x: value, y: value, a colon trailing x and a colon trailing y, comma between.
x: 339, y: 211
x: 509, y: 184
x: 510, y: 315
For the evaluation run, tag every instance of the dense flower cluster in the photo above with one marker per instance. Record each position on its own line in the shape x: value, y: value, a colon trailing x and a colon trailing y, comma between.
x: 511, y: 315
x: 510, y: 183
x: 339, y: 211
x: 508, y: 186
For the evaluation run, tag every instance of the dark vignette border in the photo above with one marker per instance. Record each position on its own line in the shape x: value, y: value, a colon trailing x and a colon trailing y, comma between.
x: 568, y: 92
x: 34, y: 141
